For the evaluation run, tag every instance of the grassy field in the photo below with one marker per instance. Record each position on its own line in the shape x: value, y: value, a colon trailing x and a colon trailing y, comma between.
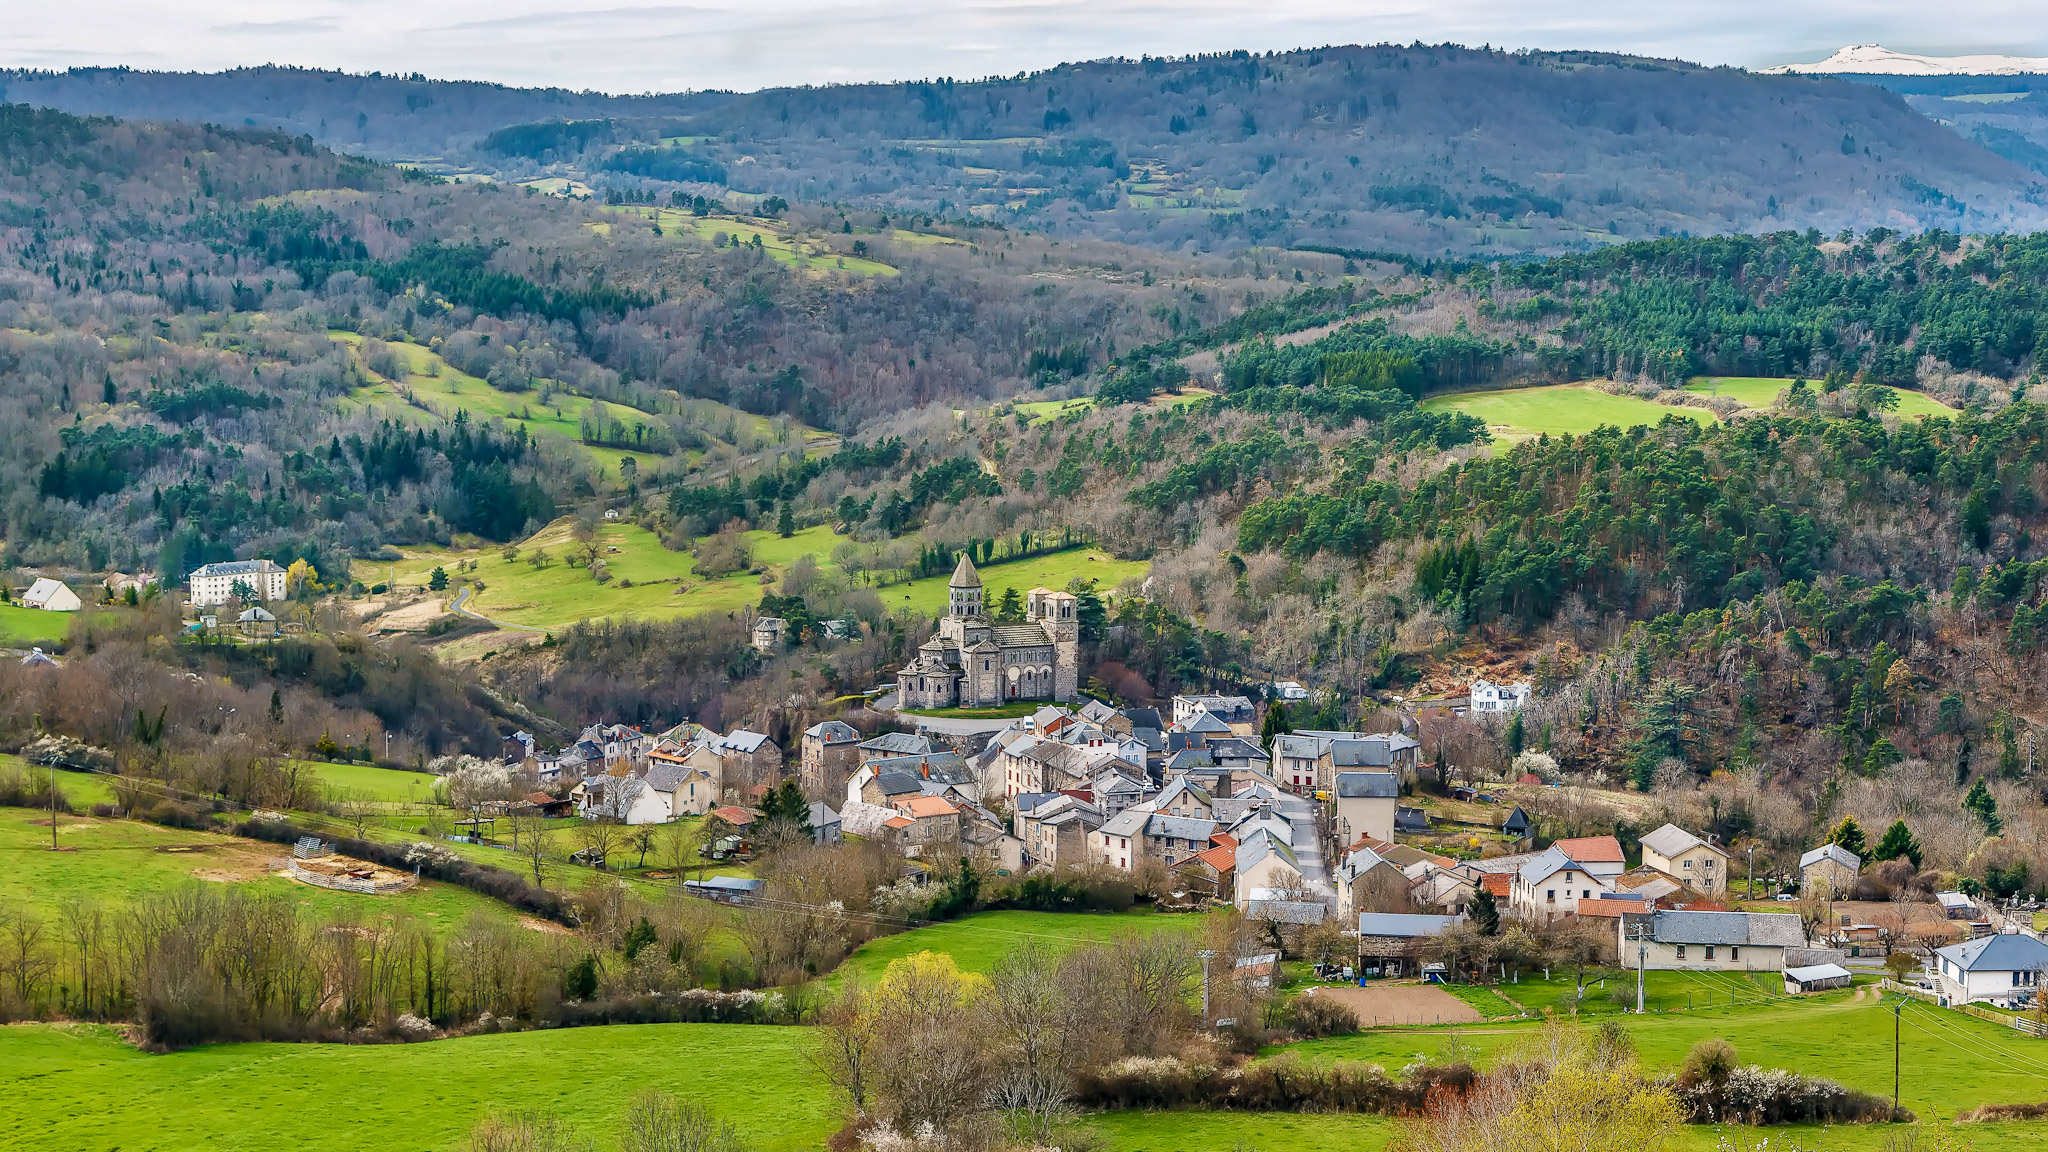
x: 1762, y: 392
x: 652, y: 583
x: 449, y: 389
x: 976, y: 942
x: 1038, y: 411
x: 1953, y: 1062
x: 125, y: 860
x: 31, y: 627
x: 390, y: 785
x: 1559, y: 409
x: 781, y: 244
x: 400, y: 1097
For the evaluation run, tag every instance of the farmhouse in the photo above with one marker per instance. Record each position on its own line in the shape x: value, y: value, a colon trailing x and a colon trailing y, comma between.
x: 1693, y: 941
x: 767, y: 634
x: 2003, y: 969
x: 1391, y: 943
x: 971, y: 662
x: 1551, y: 885
x: 215, y: 584
x: 1828, y: 871
x: 51, y: 596
x: 1697, y: 864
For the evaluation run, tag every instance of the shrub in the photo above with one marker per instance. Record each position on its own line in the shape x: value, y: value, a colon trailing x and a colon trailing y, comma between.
x: 1318, y: 1016
x: 1753, y: 1095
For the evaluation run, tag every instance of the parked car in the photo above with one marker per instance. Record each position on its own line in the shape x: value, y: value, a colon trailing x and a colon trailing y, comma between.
x: 1785, y: 897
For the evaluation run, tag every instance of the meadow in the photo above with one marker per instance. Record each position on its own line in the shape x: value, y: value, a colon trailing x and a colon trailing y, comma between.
x: 32, y: 627
x: 976, y: 942
x: 781, y: 244
x: 121, y: 861
x: 1558, y: 409
x: 445, y: 389
x: 650, y: 582
x: 1762, y: 392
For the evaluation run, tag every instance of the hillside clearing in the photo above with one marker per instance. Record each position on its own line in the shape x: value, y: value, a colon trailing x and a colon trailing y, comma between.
x: 1559, y: 409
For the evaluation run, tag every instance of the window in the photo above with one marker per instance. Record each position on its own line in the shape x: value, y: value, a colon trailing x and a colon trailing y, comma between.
x: 1734, y: 953
x: 1586, y: 895
x: 1710, y: 951
x: 1681, y: 951
x: 1688, y: 865
x: 1551, y: 895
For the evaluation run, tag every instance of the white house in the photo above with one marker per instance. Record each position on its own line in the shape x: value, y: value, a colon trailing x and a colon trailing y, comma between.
x: 1490, y: 699
x: 1265, y: 865
x: 1289, y: 691
x: 51, y: 596
x: 1704, y: 941
x: 1551, y: 885
x: 1698, y: 864
x: 1120, y: 842
x: 1364, y: 804
x: 2002, y: 969
x: 214, y: 584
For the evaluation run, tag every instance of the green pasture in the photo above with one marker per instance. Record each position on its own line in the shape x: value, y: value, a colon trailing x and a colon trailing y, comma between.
x: 1762, y: 392
x: 389, y: 785
x: 1559, y: 409
x: 121, y: 861
x: 1001, y: 712
x: 976, y: 942
x: 403, y: 1097
x: 1614, y: 990
x: 784, y: 247
x: 32, y: 627
x: 1203, y: 1131
x: 1051, y: 570
x: 652, y: 583
x: 451, y: 389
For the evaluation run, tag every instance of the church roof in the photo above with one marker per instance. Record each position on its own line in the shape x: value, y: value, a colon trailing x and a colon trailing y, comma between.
x: 964, y: 575
x: 1021, y: 636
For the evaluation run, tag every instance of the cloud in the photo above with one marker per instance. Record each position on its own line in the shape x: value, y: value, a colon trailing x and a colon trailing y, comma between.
x: 625, y: 47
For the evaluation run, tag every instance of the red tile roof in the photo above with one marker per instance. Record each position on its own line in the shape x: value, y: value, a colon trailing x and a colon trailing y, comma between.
x: 737, y: 817
x: 1612, y: 909
x: 1591, y: 849
x: 1496, y: 882
x: 1220, y: 858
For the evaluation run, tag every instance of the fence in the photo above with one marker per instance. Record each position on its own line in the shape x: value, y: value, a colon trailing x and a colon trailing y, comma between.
x: 2021, y: 1023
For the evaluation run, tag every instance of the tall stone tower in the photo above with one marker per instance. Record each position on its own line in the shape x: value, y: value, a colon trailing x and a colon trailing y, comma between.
x: 964, y: 625
x: 1055, y: 613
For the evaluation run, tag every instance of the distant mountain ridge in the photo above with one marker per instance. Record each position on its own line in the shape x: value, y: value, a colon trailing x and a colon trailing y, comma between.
x: 1877, y: 60
x: 1426, y: 150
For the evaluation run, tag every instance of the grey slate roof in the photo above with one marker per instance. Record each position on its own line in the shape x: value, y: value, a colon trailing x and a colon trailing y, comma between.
x: 1670, y: 840
x: 236, y: 568
x: 899, y: 783
x: 1403, y: 925
x: 1835, y: 852
x: 1368, y: 785
x: 1179, y: 827
x: 1206, y: 722
x: 2005, y: 952
x: 1763, y: 929
x: 898, y: 744
x: 833, y: 732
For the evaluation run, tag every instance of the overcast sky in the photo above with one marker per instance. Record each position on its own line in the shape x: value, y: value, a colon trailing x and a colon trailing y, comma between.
x: 635, y: 46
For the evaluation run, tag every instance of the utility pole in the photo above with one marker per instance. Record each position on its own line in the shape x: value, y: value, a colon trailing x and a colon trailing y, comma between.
x: 53, y: 803
x: 1205, y: 954
x: 1641, y: 935
x: 1898, y: 1007
x: 1752, y: 872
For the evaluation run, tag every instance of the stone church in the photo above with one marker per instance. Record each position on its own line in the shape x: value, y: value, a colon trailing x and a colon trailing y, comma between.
x: 974, y: 663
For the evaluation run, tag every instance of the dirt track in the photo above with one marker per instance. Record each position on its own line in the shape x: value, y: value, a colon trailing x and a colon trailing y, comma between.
x: 1382, y: 1004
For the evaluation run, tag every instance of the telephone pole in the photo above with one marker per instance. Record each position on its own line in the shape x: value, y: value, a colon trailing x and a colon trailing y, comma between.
x: 1205, y: 954
x: 1898, y: 1007
x: 1641, y: 934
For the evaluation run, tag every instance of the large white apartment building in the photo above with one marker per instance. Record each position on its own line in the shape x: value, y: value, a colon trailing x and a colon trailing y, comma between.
x: 214, y: 584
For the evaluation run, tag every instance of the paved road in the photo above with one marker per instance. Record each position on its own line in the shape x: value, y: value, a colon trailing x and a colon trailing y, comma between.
x: 943, y: 725
x: 1308, y: 843
x: 462, y: 598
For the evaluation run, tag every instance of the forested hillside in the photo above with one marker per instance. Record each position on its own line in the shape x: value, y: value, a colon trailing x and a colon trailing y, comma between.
x: 1427, y: 150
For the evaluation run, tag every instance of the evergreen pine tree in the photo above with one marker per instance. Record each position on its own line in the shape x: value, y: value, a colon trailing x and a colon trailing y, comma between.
x: 1849, y: 834
x: 107, y: 393
x: 1897, y: 842
x: 1517, y: 736
x: 1979, y: 801
x: 785, y: 522
x: 1275, y: 726
x: 1485, y: 914
x: 276, y: 707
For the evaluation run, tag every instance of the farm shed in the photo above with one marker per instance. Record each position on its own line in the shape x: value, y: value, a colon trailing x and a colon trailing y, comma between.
x: 1815, y: 978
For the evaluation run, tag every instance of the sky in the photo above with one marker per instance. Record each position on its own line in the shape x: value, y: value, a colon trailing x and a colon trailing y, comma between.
x: 628, y: 46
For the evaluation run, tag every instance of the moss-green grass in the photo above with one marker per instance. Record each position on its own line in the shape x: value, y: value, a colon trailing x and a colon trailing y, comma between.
x: 783, y: 245
x: 32, y: 627
x: 1053, y: 570
x: 976, y: 942
x: 402, y: 1097
x: 120, y: 861
x: 389, y: 785
x: 1005, y: 712
x: 1197, y: 1131
x: 1762, y: 392
x: 558, y: 595
x: 452, y: 389
x: 1953, y: 1062
x: 1559, y: 409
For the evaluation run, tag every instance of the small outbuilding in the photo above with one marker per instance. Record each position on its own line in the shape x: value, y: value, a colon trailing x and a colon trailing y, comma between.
x: 1815, y: 978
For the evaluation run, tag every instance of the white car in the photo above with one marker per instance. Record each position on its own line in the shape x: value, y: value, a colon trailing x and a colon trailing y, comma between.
x: 1784, y: 898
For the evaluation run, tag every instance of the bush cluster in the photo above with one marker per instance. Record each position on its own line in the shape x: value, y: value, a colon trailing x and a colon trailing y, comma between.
x: 1283, y: 1084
